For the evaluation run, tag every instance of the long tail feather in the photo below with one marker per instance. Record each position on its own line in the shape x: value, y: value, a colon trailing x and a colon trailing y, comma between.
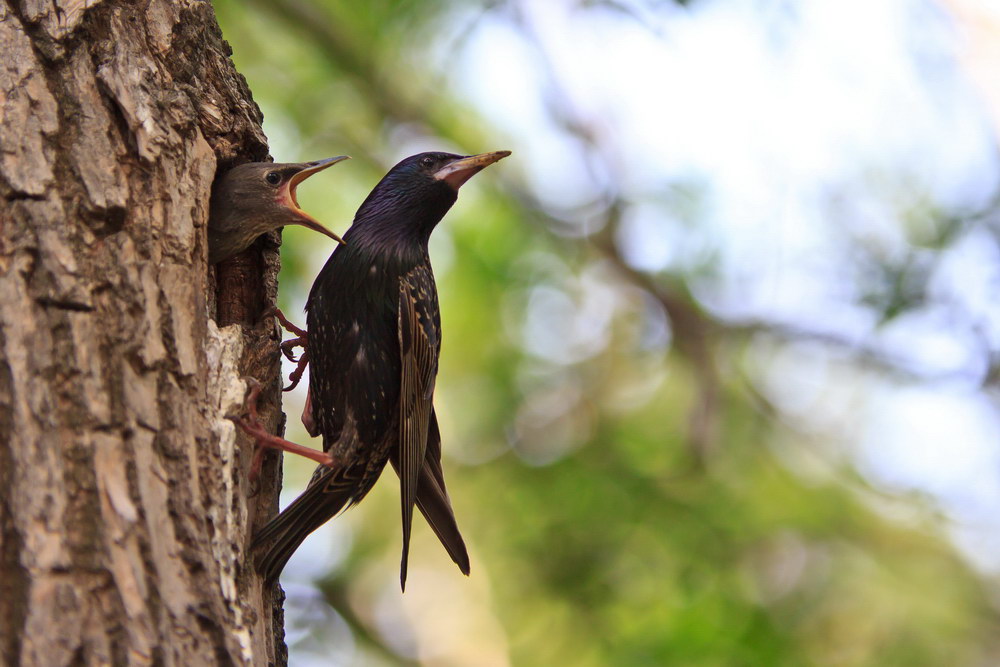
x: 318, y: 504
x: 433, y: 502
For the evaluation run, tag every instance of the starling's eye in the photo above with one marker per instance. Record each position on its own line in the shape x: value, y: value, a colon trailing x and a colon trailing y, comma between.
x: 427, y: 161
x: 273, y: 177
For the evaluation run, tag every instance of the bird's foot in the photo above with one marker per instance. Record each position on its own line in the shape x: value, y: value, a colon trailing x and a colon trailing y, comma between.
x: 300, y: 367
x: 288, y: 347
x: 250, y: 424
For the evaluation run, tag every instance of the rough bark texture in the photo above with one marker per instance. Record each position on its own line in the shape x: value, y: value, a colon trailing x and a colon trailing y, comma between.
x: 124, y: 511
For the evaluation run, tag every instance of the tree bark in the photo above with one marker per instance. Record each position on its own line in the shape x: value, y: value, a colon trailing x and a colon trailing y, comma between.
x: 124, y: 511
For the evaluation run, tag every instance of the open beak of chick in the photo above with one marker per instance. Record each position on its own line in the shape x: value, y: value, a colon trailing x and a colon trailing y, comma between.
x: 286, y: 195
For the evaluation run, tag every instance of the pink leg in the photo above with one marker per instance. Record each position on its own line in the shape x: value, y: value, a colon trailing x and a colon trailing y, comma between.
x: 252, y: 426
x: 291, y: 328
x: 296, y: 375
x: 288, y: 346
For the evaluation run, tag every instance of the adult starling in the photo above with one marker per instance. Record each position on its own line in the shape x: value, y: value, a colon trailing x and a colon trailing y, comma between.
x: 255, y: 198
x: 374, y: 338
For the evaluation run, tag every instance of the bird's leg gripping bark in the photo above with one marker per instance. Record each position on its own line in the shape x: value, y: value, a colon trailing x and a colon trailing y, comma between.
x: 251, y: 425
x: 287, y: 347
x: 301, y: 340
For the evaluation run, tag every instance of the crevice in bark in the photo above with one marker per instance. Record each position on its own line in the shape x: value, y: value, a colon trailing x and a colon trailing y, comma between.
x: 15, y: 580
x: 124, y: 514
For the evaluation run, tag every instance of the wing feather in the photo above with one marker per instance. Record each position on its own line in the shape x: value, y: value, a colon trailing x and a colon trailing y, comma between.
x: 418, y: 348
x: 433, y: 501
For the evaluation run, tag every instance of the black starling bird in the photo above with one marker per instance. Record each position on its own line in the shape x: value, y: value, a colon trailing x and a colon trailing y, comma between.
x: 256, y: 198
x: 374, y: 338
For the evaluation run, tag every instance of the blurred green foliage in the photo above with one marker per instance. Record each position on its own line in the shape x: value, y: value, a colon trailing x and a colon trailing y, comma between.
x: 604, y: 529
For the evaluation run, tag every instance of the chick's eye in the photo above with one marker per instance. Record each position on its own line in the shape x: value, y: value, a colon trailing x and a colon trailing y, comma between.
x: 273, y: 177
x: 427, y: 161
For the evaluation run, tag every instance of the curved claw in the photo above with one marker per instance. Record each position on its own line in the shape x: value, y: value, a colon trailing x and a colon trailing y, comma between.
x: 300, y: 368
x: 288, y: 346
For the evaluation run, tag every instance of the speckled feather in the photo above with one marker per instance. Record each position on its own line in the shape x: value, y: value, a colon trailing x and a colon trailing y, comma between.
x: 374, y: 342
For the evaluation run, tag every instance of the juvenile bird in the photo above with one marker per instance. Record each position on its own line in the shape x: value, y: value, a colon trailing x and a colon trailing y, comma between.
x: 256, y: 198
x: 374, y: 335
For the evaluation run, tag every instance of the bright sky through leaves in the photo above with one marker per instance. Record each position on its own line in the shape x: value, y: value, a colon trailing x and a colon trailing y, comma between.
x: 796, y: 118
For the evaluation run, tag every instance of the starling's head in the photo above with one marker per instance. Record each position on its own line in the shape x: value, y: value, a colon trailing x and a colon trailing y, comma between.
x: 256, y: 198
x: 445, y: 168
x: 413, y: 197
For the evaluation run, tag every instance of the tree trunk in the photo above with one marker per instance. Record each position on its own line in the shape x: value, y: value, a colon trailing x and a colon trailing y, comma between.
x: 124, y: 511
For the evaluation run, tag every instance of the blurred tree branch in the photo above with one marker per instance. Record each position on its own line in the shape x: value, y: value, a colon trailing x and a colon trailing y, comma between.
x: 696, y: 333
x: 780, y: 539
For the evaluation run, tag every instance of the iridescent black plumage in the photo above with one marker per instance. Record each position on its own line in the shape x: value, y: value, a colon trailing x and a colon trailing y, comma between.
x: 374, y: 339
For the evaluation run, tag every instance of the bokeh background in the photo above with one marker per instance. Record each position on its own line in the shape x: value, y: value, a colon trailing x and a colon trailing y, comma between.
x: 721, y: 338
